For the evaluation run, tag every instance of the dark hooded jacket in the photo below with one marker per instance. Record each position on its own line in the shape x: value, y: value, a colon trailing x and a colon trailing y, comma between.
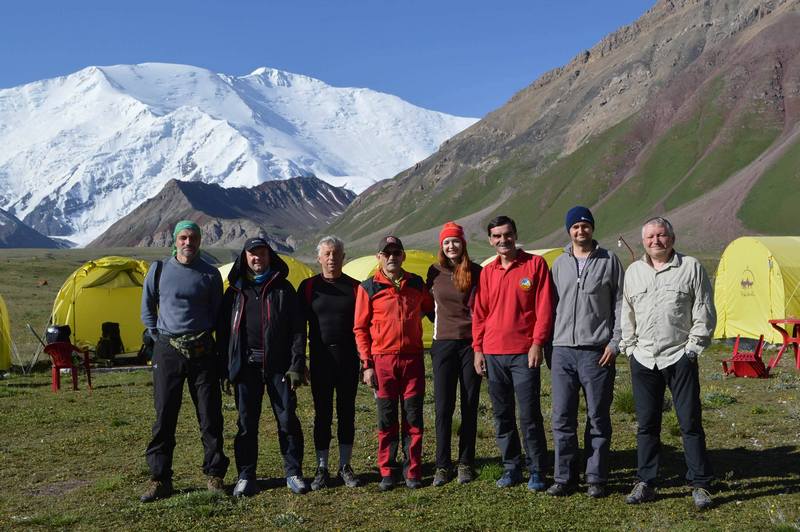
x: 283, y: 328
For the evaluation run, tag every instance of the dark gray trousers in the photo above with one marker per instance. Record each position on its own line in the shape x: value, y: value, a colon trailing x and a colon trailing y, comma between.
x: 574, y: 369
x: 249, y: 397
x: 510, y: 376
x: 649, y: 386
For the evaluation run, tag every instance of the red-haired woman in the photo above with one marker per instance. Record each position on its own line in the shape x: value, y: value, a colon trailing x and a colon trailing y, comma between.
x: 452, y: 282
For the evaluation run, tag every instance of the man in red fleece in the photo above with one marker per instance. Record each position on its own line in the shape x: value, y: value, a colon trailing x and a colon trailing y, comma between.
x: 388, y: 328
x: 512, y: 320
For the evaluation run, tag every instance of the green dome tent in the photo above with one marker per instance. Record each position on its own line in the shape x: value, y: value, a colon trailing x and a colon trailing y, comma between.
x: 416, y: 262
x: 758, y: 279
x: 5, y: 337
x: 106, y: 289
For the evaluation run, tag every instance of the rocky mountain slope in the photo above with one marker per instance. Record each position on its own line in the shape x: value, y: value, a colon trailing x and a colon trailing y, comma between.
x: 282, y: 211
x: 80, y: 151
x: 691, y: 111
x: 15, y: 234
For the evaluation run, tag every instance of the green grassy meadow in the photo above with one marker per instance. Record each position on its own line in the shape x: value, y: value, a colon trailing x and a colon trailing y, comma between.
x: 75, y: 460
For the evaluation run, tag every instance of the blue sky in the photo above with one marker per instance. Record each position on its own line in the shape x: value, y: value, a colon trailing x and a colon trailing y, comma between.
x: 463, y: 57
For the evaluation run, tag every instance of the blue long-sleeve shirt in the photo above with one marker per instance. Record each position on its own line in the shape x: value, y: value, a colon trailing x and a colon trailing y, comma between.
x: 189, y: 297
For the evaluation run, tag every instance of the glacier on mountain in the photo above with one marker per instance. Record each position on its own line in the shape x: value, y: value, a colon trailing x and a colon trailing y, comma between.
x: 78, y: 152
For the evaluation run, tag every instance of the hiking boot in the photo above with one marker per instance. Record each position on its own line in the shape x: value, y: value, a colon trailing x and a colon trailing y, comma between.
x: 536, y: 482
x: 559, y: 490
x: 320, y: 479
x: 348, y: 477
x: 413, y: 483
x: 702, y: 498
x: 215, y: 484
x: 641, y: 492
x: 244, y: 488
x: 441, y: 477
x: 386, y: 483
x: 297, y: 484
x: 157, y: 489
x: 465, y: 474
x: 511, y: 477
x: 596, y: 491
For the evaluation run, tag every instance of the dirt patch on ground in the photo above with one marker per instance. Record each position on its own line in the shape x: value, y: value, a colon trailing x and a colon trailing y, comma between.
x: 60, y: 488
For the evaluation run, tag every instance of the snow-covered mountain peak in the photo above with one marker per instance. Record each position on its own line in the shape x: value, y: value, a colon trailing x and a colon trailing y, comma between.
x: 78, y: 152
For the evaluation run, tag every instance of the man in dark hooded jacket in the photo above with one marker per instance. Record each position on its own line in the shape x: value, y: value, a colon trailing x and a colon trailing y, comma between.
x: 262, y: 334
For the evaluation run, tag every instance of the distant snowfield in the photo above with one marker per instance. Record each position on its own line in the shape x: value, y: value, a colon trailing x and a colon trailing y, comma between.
x: 80, y: 151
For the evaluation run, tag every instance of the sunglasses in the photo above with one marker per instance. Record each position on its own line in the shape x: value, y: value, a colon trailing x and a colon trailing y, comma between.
x: 392, y: 253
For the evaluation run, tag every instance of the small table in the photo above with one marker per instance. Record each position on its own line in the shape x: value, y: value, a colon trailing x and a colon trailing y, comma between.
x: 793, y: 339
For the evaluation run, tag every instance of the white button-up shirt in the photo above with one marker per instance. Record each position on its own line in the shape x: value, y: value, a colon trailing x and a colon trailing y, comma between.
x: 666, y: 312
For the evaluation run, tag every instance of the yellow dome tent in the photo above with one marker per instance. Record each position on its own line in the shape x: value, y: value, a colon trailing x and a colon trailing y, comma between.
x: 5, y: 337
x: 549, y: 255
x: 297, y: 271
x: 106, y: 289
x: 416, y: 262
x: 758, y: 279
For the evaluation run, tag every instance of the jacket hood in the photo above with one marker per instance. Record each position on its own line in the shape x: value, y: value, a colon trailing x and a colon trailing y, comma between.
x: 276, y: 264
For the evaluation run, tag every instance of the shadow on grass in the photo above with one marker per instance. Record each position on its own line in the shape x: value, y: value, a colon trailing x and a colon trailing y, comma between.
x: 760, y: 472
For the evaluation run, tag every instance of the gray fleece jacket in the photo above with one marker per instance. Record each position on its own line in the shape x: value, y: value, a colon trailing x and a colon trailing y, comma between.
x: 588, y: 308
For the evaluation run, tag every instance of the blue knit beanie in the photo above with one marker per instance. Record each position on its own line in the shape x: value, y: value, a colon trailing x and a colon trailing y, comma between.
x: 579, y: 214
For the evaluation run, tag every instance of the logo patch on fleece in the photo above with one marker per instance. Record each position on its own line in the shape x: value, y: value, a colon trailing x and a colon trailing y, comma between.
x: 525, y: 284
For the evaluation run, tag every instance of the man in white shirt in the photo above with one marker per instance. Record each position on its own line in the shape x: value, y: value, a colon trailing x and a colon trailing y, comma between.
x: 668, y: 317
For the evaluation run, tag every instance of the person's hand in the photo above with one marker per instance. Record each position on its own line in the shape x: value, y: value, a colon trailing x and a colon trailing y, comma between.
x: 295, y: 379
x: 608, y: 357
x: 227, y: 387
x: 535, y: 356
x: 479, y: 361
x: 369, y: 378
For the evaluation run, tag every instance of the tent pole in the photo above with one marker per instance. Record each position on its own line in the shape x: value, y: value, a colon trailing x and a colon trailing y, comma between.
x: 18, y: 358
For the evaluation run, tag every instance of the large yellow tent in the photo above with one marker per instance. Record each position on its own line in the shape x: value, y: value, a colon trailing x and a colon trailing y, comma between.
x: 416, y: 262
x: 549, y: 255
x: 106, y: 289
x: 297, y: 271
x: 758, y: 279
x: 5, y: 337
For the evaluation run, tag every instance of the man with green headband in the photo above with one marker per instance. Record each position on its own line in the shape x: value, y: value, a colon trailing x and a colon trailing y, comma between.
x: 180, y: 302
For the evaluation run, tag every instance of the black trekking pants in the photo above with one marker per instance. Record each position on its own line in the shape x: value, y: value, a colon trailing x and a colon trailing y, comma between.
x: 453, y: 366
x: 334, y: 368
x: 170, y: 370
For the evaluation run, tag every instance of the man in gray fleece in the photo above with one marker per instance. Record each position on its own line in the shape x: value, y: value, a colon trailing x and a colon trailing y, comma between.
x: 180, y: 301
x: 588, y: 281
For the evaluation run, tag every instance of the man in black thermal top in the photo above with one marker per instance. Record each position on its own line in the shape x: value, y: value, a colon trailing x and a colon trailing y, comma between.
x: 328, y: 303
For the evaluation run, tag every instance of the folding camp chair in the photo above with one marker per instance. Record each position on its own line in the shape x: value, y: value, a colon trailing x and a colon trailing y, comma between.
x: 61, y: 355
x: 746, y: 363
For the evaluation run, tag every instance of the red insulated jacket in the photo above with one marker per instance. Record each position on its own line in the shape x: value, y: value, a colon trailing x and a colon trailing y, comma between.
x: 513, y: 307
x: 388, y: 320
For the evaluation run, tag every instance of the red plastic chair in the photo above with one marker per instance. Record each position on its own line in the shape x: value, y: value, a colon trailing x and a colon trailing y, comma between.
x: 747, y: 363
x: 61, y: 355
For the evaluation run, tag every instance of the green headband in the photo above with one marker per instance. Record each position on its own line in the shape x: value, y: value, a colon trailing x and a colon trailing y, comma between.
x: 185, y: 224
x: 180, y: 226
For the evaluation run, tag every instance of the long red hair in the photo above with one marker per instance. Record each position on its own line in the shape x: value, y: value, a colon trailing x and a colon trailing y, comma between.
x: 462, y: 273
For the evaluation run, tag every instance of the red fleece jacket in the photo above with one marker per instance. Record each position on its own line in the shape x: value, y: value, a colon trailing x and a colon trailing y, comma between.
x: 513, y: 307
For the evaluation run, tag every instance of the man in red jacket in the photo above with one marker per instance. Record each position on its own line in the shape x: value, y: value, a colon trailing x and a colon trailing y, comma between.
x: 388, y: 328
x: 512, y: 320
